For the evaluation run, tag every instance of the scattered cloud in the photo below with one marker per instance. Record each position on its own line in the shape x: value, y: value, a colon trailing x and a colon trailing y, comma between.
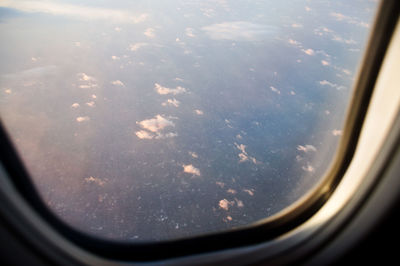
x: 93, y: 96
x: 306, y: 148
x: 189, y: 32
x: 243, y: 156
x: 117, y: 29
x: 199, y: 112
x: 90, y: 104
x: 193, y: 154
x: 325, y: 63
x: 308, y: 9
x: 349, y: 19
x: 190, y: 169
x: 8, y: 91
x: 149, y: 32
x: 137, y: 46
x: 220, y: 184
x: 275, y: 90
x: 225, y: 204
x: 308, y: 168
x: 164, y: 90
x: 142, y: 134
x: 156, y: 124
x: 171, y: 102
x: 82, y: 119
x: 337, y: 132
x: 308, y: 51
x: 75, y: 105
x: 95, y: 180
x: 114, y: 57
x: 79, y: 12
x: 239, y: 31
x: 231, y: 191
x: 297, y: 25
x: 294, y: 42
x: 333, y: 85
x: 249, y: 191
x: 117, y: 83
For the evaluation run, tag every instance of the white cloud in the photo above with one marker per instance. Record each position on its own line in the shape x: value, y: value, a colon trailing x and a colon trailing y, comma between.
x: 294, y: 42
x: 171, y: 102
x: 95, y: 180
x: 82, y: 118
x: 156, y: 124
x: 117, y: 29
x: 142, y: 134
x: 8, y: 91
x: 243, y: 156
x: 93, y: 96
x: 325, y: 63
x: 308, y: 9
x: 149, y: 32
x: 308, y: 168
x: 239, y: 31
x: 85, y: 77
x: 79, y: 12
x: 297, y: 25
x: 225, y: 204
x: 232, y: 191
x: 114, y: 57
x: 275, y: 90
x: 199, y: 112
x: 90, y: 104
x: 75, y: 105
x: 249, y: 191
x: 137, y: 46
x: 193, y: 154
x: 189, y: 32
x: 349, y: 19
x: 333, y: 85
x: 306, y: 148
x: 118, y: 83
x: 164, y: 90
x: 337, y: 132
x: 308, y: 51
x: 190, y: 169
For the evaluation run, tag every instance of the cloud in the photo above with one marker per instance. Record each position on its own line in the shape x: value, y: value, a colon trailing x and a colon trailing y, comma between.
x: 137, y: 46
x: 156, y: 124
x: 117, y: 83
x: 95, y: 180
x: 337, y: 132
x: 82, y: 119
x: 8, y: 91
x: 275, y: 90
x: 79, y: 12
x: 193, y: 154
x: 142, y: 134
x: 249, y: 191
x: 232, y: 191
x: 243, y: 156
x: 349, y: 19
x: 171, y: 102
x: 239, y: 31
x: 90, y: 82
x: 189, y: 32
x: 114, y: 57
x: 306, y: 148
x: 164, y: 90
x: 75, y: 105
x: 93, y: 96
x: 90, y: 104
x: 325, y: 63
x: 149, y: 32
x: 225, y: 204
x: 308, y: 9
x: 308, y: 51
x: 333, y: 85
x: 294, y: 42
x: 190, y: 169
x: 297, y: 25
x: 199, y: 112
x: 85, y: 77
x: 308, y: 168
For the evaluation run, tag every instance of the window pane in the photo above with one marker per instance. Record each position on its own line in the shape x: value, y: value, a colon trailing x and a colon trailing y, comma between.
x: 154, y: 120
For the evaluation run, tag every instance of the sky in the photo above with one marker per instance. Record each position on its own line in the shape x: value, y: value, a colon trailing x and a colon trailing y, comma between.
x: 155, y: 120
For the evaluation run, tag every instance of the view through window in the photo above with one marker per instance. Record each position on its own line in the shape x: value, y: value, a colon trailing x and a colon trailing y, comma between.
x: 154, y: 120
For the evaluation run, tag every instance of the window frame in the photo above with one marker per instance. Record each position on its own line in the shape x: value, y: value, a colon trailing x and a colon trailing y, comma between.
x: 24, y: 212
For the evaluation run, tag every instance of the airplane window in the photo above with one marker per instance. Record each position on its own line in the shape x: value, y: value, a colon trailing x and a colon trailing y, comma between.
x: 152, y: 120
